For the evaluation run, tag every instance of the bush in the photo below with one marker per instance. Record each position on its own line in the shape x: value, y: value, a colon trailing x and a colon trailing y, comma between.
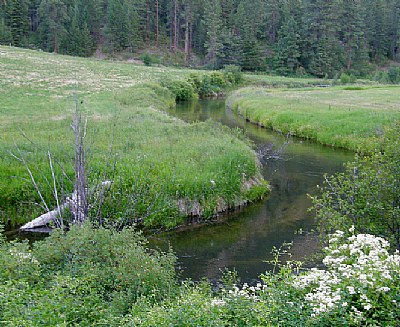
x: 86, y: 275
x: 390, y: 76
x: 394, y: 75
x: 359, y: 286
x: 147, y: 59
x: 367, y: 195
x: 233, y: 74
x: 181, y: 89
x: 347, y: 79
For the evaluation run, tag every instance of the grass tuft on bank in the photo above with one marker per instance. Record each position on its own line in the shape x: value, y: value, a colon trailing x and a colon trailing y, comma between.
x: 347, y: 117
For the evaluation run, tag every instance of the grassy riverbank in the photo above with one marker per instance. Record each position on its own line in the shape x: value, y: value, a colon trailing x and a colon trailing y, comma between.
x: 163, y: 169
x: 351, y: 117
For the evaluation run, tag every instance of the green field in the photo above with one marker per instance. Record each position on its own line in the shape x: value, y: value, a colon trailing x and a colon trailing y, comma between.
x: 351, y: 117
x: 163, y: 169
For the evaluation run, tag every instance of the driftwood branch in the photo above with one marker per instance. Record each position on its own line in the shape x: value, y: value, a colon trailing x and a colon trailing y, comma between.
x: 54, y: 215
x: 46, y: 218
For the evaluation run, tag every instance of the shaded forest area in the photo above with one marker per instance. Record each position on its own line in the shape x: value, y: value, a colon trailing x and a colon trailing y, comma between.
x: 289, y: 37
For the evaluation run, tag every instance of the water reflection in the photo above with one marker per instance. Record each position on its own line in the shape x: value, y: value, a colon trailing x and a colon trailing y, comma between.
x: 243, y: 242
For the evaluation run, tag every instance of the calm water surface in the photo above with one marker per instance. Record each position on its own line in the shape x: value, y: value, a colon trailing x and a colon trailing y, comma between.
x: 243, y: 240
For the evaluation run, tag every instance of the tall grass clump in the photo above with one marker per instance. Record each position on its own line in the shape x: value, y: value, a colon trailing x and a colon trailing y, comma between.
x: 341, y: 117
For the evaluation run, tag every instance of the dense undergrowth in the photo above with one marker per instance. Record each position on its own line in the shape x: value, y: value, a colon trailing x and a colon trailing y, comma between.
x: 99, y: 277
x: 351, y: 117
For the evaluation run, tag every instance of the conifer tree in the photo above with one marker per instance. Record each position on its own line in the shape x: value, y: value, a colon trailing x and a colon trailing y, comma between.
x: 52, y: 19
x: 321, y: 52
x: 351, y: 34
x: 214, y: 31
x: 288, y: 48
x: 17, y: 20
x: 79, y: 41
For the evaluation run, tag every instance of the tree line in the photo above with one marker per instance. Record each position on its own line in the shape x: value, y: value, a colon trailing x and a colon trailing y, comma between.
x: 289, y: 37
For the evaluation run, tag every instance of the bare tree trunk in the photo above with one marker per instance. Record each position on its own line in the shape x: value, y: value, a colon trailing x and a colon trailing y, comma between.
x: 156, y: 23
x: 175, y: 27
x: 79, y: 205
x: 186, y: 42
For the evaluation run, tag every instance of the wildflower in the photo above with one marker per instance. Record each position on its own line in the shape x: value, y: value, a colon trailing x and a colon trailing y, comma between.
x: 218, y: 302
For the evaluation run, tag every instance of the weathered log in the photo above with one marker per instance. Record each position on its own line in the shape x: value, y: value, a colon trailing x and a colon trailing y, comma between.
x: 70, y: 203
x: 46, y: 218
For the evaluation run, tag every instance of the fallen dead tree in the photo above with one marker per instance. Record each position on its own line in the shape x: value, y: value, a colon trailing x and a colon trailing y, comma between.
x: 71, y: 203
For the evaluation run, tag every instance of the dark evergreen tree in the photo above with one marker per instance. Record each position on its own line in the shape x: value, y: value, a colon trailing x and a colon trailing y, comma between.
x: 5, y: 31
x: 377, y: 29
x: 322, y: 52
x: 351, y: 34
x: 79, y: 41
x: 394, y: 29
x: 214, y: 32
x: 232, y: 50
x: 118, y: 25
x: 52, y: 19
x: 16, y: 18
x: 287, y: 53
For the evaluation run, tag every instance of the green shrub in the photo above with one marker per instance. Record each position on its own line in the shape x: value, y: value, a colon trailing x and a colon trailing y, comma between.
x: 347, y: 79
x: 181, y: 89
x: 394, y: 75
x: 360, y: 285
x: 233, y: 74
x: 367, y: 195
x: 147, y: 59
x: 85, y: 275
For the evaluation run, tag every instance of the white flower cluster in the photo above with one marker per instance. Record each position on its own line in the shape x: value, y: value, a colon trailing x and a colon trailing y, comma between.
x: 22, y: 256
x: 248, y: 292
x: 359, y: 267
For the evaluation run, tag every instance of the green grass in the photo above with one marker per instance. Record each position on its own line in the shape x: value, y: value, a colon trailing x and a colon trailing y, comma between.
x: 162, y: 163
x: 347, y: 117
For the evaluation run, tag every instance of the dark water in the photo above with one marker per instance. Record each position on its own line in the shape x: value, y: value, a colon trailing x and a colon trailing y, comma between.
x: 243, y: 240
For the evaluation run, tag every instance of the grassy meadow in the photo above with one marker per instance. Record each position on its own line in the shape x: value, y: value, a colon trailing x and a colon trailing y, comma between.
x: 351, y: 117
x: 162, y: 168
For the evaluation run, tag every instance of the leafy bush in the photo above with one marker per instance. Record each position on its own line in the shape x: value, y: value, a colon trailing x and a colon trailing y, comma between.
x: 347, y: 79
x: 359, y: 286
x: 147, y: 59
x: 86, y: 275
x: 390, y: 76
x: 181, y: 89
x: 233, y: 74
x: 214, y: 84
x: 394, y: 75
x: 367, y: 195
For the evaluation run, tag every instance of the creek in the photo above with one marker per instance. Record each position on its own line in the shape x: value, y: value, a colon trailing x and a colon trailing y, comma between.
x: 242, y: 240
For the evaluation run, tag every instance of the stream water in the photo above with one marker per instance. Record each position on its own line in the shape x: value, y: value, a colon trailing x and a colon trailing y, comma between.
x: 243, y: 240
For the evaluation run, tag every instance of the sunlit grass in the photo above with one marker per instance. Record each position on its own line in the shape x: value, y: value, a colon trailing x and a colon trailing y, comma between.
x: 345, y: 117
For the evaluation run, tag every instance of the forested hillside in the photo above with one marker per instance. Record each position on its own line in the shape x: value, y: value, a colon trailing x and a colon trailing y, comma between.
x: 318, y: 37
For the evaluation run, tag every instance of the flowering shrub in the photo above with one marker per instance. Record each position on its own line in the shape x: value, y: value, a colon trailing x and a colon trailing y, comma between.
x: 361, y: 281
